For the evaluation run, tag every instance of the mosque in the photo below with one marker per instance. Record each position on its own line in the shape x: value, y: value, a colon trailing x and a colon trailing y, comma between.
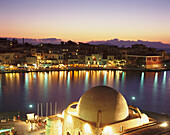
x: 100, y: 111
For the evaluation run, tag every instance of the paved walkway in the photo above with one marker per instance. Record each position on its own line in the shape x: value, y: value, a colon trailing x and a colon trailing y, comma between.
x: 23, y: 128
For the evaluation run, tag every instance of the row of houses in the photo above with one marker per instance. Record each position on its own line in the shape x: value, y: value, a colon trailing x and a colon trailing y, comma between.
x: 83, y: 55
x: 92, y: 60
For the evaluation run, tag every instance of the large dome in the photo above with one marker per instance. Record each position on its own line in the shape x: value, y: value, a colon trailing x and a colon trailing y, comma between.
x: 109, y: 102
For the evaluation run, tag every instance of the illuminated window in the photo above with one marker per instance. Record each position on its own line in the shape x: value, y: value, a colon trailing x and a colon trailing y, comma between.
x: 154, y: 58
x: 148, y: 59
x: 94, y: 58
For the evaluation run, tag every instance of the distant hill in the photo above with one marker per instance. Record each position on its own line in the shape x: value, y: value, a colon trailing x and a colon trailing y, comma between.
x: 119, y: 43
x: 38, y: 41
x: 128, y: 43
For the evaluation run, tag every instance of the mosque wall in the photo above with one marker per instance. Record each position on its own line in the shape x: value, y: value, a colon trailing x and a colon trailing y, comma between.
x: 75, y: 126
x: 70, y: 123
x: 54, y: 126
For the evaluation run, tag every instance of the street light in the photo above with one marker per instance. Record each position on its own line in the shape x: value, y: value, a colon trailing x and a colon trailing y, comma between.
x: 31, y: 106
x: 133, y: 99
x: 164, y: 124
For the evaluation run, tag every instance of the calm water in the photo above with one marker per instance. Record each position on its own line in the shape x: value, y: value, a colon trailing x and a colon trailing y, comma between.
x: 19, y: 90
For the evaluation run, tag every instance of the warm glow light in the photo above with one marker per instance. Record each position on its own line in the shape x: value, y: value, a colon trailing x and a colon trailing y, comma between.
x: 35, y: 65
x: 87, y: 128
x: 165, y: 124
x: 60, y: 115
x: 144, y: 119
x: 69, y: 118
x: 107, y: 131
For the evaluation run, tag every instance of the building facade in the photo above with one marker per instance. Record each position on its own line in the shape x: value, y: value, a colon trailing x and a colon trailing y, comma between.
x: 100, y: 111
x: 149, y: 62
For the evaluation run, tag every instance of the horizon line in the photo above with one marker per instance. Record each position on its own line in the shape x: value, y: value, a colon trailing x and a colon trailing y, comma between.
x: 168, y: 43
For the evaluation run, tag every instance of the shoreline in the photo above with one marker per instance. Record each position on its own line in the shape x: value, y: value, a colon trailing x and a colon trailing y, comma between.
x: 87, y: 69
x: 157, y: 116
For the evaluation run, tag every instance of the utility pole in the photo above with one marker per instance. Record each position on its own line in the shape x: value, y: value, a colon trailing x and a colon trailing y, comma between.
x: 46, y: 109
x: 37, y: 109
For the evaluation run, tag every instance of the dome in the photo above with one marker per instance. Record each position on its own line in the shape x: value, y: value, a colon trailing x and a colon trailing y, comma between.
x: 109, y: 102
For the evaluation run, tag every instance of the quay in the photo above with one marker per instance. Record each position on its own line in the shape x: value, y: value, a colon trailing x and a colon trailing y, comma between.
x: 87, y: 69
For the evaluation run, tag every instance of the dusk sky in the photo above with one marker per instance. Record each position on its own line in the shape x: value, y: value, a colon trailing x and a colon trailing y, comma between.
x: 86, y: 20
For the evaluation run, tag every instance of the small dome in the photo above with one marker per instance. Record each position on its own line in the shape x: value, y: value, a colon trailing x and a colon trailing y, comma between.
x: 109, y: 102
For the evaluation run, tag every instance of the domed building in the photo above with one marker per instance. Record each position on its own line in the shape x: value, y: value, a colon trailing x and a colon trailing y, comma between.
x: 100, y: 111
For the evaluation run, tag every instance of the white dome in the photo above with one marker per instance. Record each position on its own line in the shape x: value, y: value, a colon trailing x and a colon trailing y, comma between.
x: 109, y: 102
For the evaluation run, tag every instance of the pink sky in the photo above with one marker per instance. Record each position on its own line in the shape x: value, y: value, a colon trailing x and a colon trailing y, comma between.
x: 87, y: 20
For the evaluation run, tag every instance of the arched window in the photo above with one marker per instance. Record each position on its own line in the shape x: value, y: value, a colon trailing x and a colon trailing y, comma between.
x: 68, y: 133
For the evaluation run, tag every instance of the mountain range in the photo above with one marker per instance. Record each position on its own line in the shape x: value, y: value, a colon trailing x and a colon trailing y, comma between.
x: 38, y: 41
x: 120, y: 43
x: 129, y: 43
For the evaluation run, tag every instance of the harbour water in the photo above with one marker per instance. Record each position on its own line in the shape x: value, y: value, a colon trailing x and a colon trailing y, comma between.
x: 19, y: 90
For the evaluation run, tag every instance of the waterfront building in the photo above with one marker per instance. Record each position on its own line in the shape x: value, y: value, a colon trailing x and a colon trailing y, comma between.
x: 81, y: 59
x: 163, y: 54
x: 11, y: 58
x: 148, y: 62
x: 108, y: 60
x: 94, y: 60
x: 31, y: 60
x: 100, y: 111
x: 51, y: 58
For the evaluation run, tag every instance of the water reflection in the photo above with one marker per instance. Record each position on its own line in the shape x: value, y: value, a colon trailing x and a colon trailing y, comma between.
x: 0, y: 85
x: 110, y: 78
x: 45, y: 85
x: 105, y: 78
x: 67, y: 86
x: 123, y: 80
x: 156, y: 82
x: 142, y: 81
x: 117, y: 79
x: 86, y: 80
x: 26, y: 83
x: 164, y: 80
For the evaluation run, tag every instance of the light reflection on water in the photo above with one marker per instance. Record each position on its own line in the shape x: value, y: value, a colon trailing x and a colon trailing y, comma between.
x: 164, y: 80
x: 18, y: 90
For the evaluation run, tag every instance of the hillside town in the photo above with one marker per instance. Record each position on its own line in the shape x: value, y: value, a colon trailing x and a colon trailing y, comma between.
x: 19, y: 57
